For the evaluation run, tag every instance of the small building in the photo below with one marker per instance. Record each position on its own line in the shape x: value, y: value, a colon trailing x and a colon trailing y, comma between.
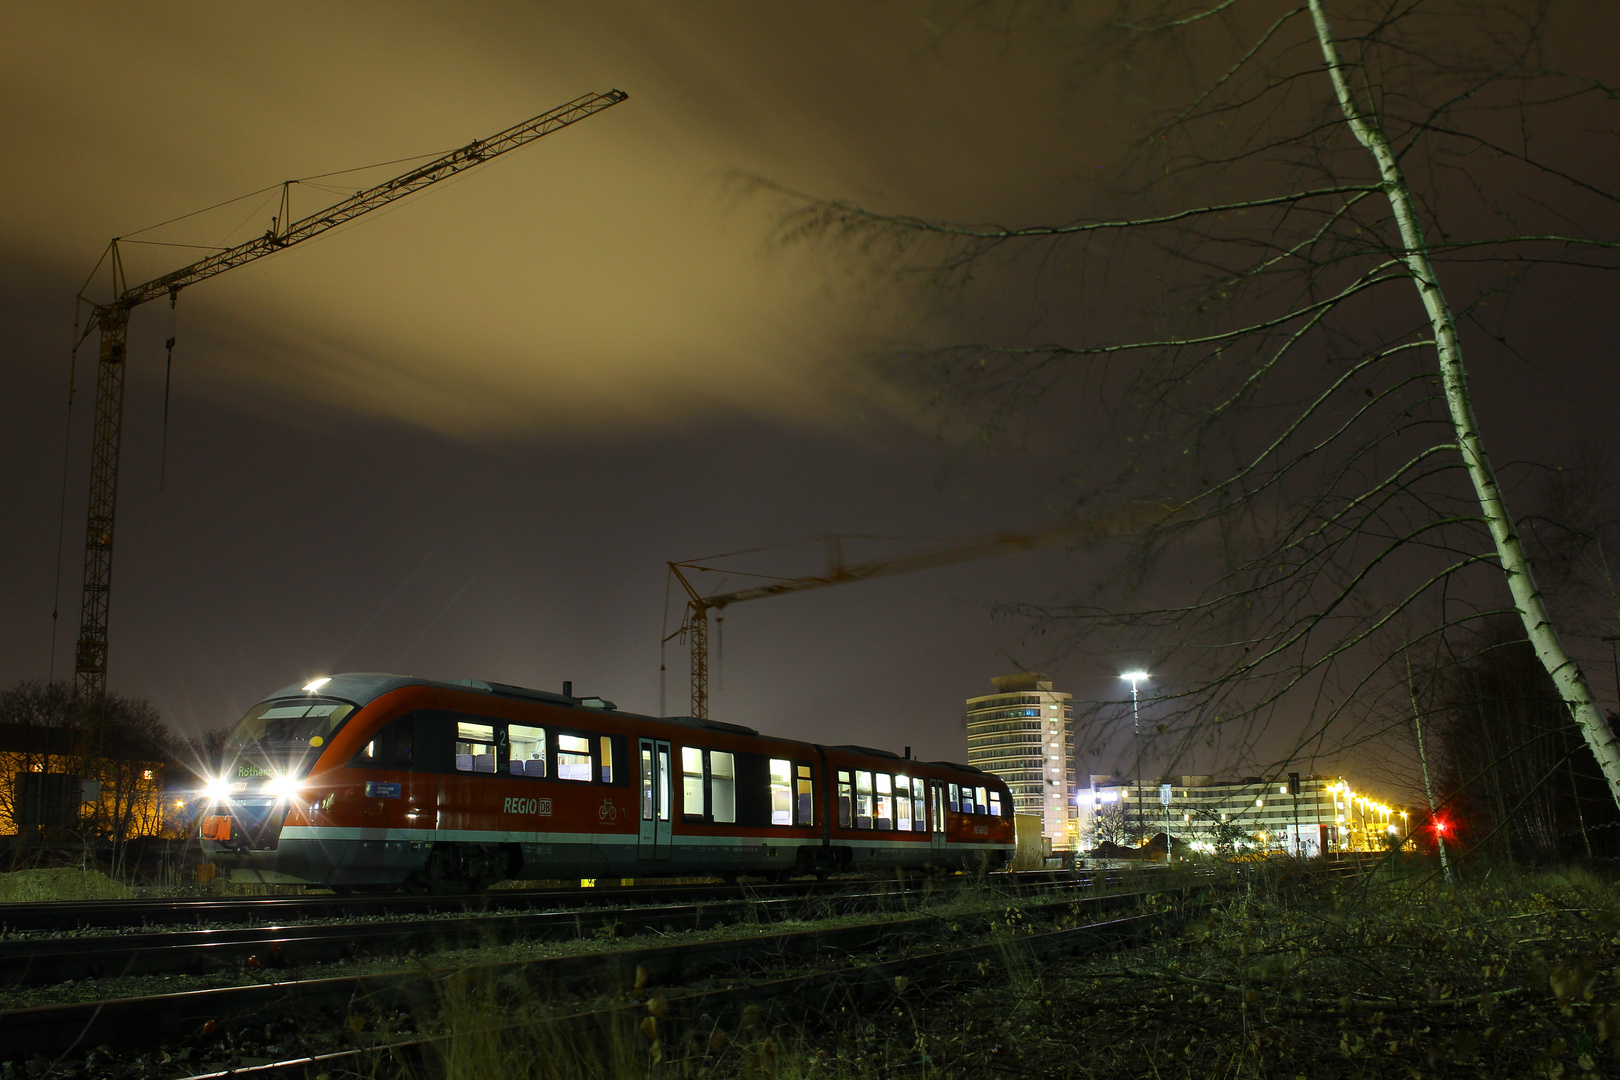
x: 1254, y: 813
x: 119, y: 795
x: 1024, y: 733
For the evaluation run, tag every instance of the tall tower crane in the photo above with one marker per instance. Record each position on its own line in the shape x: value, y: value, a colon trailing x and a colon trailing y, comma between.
x: 111, y: 319
x: 694, y: 628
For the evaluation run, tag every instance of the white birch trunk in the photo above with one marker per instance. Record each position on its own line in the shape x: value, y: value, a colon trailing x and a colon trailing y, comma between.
x: 1538, y: 625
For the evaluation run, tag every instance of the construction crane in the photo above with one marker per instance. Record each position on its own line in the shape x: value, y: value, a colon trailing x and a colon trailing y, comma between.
x: 111, y: 319
x: 694, y: 628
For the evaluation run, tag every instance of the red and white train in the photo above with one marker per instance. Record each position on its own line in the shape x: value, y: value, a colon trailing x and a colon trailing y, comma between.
x: 367, y: 780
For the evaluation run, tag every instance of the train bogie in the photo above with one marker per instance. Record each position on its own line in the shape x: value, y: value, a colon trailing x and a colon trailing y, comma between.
x: 371, y: 780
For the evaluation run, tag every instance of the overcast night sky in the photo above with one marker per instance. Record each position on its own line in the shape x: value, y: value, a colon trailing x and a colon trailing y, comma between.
x: 462, y: 438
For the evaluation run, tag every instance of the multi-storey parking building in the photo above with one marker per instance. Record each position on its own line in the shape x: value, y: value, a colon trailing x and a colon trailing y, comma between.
x: 1024, y: 733
x: 1326, y: 814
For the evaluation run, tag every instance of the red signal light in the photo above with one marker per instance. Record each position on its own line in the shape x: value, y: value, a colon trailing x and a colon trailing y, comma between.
x: 1440, y: 826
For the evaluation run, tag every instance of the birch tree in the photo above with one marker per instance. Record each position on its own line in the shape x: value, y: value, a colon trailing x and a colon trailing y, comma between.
x: 1538, y: 625
x: 1318, y: 233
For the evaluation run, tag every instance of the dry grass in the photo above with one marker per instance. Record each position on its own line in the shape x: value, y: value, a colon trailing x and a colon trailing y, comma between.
x: 1397, y: 975
x: 60, y: 883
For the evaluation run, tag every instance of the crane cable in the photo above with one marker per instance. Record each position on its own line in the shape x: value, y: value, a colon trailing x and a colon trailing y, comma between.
x: 61, y: 514
x: 168, y: 365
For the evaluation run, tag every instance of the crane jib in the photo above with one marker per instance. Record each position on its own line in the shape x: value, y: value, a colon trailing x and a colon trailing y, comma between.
x: 364, y: 201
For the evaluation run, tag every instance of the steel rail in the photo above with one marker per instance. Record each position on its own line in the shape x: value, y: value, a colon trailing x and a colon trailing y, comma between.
x: 39, y: 916
x: 111, y: 914
x: 35, y: 962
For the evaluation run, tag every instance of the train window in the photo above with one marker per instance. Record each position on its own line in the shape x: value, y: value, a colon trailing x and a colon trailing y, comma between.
x: 955, y: 799
x: 300, y: 724
x: 995, y: 804
x: 606, y: 760
x: 663, y: 783
x: 528, y: 750
x: 573, y: 757
x: 692, y: 782
x: 980, y: 806
x: 404, y: 740
x: 646, y: 783
x: 884, y: 818
x: 863, y: 800
x: 722, y: 786
x: 846, y: 799
x: 806, y: 810
x: 919, y: 807
x: 936, y: 813
x: 966, y: 804
x: 902, y: 804
x: 475, y: 747
x: 781, y: 771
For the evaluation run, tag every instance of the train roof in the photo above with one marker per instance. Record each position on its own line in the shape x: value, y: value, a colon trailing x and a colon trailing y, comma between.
x: 364, y: 687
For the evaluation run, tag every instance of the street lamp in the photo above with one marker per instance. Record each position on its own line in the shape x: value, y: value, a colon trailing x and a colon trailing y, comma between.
x: 1136, y: 677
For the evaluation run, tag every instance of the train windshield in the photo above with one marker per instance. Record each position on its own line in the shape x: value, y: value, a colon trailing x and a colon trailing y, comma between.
x: 291, y: 730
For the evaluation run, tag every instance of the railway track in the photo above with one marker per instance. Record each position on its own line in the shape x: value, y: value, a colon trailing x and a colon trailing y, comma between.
x: 71, y: 916
x: 40, y: 961
x: 55, y: 1030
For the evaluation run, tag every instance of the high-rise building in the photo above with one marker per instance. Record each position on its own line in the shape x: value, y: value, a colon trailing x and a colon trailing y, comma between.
x: 1024, y: 733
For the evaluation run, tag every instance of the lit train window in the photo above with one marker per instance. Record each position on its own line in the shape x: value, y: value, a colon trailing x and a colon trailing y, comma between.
x: 982, y: 803
x: 475, y: 747
x: 528, y: 750
x: 691, y: 782
x: 884, y: 818
x: 781, y: 791
x: 863, y: 800
x: 846, y: 799
x: 573, y: 758
x: 902, y: 803
x: 995, y: 804
x: 967, y: 800
x: 663, y: 783
x: 722, y: 786
x: 806, y: 810
x: 607, y: 759
x: 646, y: 784
x: 919, y: 807
x: 955, y: 799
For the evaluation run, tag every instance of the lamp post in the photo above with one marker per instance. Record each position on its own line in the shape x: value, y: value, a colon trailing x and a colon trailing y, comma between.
x: 1136, y: 730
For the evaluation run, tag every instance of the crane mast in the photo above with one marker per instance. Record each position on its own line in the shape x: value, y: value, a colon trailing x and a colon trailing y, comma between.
x: 111, y: 320
x: 694, y: 626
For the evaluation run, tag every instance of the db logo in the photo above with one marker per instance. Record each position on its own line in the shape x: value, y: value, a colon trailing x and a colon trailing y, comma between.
x: 981, y: 830
x: 538, y: 807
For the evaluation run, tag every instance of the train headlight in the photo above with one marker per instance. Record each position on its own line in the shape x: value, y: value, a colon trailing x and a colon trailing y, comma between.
x: 216, y: 789
x: 284, y: 788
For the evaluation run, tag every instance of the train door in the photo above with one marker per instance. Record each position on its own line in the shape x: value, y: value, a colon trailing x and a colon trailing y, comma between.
x: 654, y: 839
x: 936, y: 815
